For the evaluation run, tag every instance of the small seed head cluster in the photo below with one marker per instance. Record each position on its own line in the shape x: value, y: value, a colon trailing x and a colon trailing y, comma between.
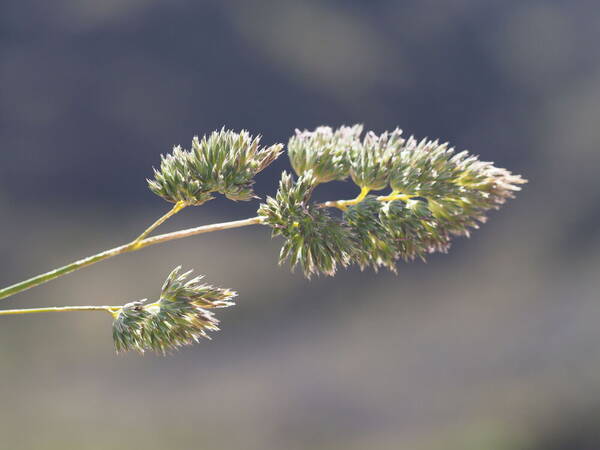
x: 224, y: 162
x: 180, y: 317
x: 436, y: 194
x: 313, y: 239
x: 385, y: 232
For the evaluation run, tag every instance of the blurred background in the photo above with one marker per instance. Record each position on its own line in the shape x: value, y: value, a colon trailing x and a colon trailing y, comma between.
x: 494, y: 346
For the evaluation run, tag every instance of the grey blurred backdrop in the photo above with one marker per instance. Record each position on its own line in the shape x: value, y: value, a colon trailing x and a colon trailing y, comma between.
x: 494, y: 346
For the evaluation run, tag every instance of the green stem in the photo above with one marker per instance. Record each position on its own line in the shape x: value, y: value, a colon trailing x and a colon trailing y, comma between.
x: 395, y: 196
x: 109, y: 309
x: 144, y: 241
x: 131, y: 247
x: 343, y: 204
x: 176, y: 208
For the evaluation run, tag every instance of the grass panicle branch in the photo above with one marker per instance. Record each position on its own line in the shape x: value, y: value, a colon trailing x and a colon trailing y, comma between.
x: 127, y: 248
x: 12, y: 312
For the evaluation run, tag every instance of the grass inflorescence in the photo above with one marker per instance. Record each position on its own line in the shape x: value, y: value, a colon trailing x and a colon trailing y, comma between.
x: 224, y: 161
x: 433, y: 194
x: 181, y: 316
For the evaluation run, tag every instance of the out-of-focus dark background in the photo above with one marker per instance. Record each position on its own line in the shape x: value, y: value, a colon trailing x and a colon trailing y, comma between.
x: 494, y: 346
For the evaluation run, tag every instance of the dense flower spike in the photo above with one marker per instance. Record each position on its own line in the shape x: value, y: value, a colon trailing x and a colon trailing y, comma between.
x: 324, y: 151
x: 180, y: 317
x: 435, y: 194
x: 313, y: 239
x: 458, y: 187
x: 224, y: 162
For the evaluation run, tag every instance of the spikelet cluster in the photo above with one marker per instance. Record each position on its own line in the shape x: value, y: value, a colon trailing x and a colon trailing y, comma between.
x: 436, y: 194
x: 385, y: 232
x: 224, y: 162
x: 313, y: 239
x: 180, y: 317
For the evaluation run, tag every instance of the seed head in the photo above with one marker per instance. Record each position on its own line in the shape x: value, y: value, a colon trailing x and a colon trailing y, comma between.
x: 224, y: 162
x: 180, y: 317
x: 313, y: 239
x: 436, y: 194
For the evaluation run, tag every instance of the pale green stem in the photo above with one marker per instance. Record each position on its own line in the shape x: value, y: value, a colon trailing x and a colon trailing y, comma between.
x: 143, y: 241
x: 394, y: 196
x: 343, y: 204
x: 176, y: 208
x: 131, y: 247
x: 110, y: 309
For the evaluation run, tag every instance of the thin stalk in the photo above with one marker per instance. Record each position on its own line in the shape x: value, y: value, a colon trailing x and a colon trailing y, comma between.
x: 143, y: 241
x: 194, y: 231
x: 176, y: 208
x: 131, y: 247
x: 110, y: 309
x: 343, y: 204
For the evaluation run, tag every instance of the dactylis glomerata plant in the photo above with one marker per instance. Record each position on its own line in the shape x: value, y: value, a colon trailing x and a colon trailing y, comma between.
x: 434, y: 194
